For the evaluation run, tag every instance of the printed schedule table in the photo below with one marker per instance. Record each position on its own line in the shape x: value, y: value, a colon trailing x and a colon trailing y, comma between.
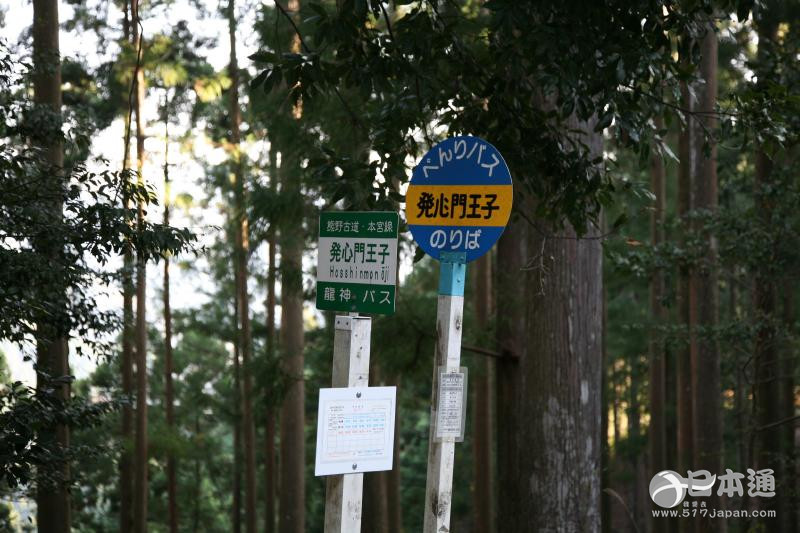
x: 355, y: 430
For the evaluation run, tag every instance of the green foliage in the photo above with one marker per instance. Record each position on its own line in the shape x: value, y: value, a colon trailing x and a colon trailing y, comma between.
x: 59, y: 227
x: 519, y: 74
x: 24, y: 412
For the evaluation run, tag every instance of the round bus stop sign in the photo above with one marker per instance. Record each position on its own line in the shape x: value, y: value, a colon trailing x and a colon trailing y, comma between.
x: 459, y: 199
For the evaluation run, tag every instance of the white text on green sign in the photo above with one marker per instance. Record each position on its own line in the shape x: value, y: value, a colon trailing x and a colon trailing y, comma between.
x: 357, y: 261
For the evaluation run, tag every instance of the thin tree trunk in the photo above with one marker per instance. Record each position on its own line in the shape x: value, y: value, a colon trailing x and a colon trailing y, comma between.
x: 635, y: 458
x: 292, y: 417
x: 140, y: 463
x: 125, y: 460
x: 481, y: 446
x: 197, y: 481
x: 685, y: 440
x: 375, y: 516
x: 393, y: 494
x: 616, y: 407
x: 52, y: 353
x: 706, y: 381
x: 768, y: 379
x: 243, y: 248
x: 658, y: 317
x: 292, y: 453
x: 269, y: 471
x: 512, y: 251
x: 172, y: 483
x: 269, y: 423
x: 605, y: 459
x: 767, y: 364
x: 788, y: 507
x: 740, y: 400
x: 236, y: 510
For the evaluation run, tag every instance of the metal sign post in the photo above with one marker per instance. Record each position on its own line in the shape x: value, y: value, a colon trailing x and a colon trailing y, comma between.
x: 457, y: 206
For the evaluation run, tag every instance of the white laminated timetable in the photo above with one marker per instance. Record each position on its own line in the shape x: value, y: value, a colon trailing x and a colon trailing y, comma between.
x: 355, y: 430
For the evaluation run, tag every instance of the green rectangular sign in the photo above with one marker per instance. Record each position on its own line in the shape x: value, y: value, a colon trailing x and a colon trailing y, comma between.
x: 357, y: 261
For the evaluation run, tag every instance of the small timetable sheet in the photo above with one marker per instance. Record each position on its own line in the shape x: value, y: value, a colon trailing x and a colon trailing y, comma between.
x: 355, y: 430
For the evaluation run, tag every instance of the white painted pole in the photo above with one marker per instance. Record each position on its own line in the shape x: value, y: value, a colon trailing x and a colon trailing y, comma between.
x: 350, y: 369
x: 441, y: 455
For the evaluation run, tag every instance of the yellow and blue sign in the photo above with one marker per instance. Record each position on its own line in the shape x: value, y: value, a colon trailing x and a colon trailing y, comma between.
x: 459, y: 200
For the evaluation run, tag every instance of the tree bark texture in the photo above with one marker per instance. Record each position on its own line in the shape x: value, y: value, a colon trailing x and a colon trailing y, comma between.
x: 549, y: 396
x: 270, y: 471
x: 291, y: 502
x: 172, y: 482
x: 658, y: 317
x: 126, y: 363
x: 141, y: 452
x: 788, y: 503
x: 375, y: 503
x: 292, y: 439
x: 243, y: 253
x: 605, y: 453
x: 236, y: 501
x: 706, y: 381
x: 393, y: 494
x: 767, y: 363
x: 52, y: 352
x: 482, y: 423
x: 685, y: 440
x: 512, y: 252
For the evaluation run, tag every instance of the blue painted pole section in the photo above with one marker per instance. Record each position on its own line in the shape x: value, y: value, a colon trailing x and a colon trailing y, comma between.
x: 452, y: 273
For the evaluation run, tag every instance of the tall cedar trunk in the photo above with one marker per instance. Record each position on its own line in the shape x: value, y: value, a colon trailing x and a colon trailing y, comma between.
x: 512, y: 251
x: 605, y: 457
x: 768, y: 405
x: 393, y: 494
x: 236, y: 501
x: 125, y: 462
x: 52, y: 501
x: 375, y: 514
x: 740, y: 398
x: 197, y: 480
x: 291, y: 510
x: 706, y: 383
x: 393, y: 485
x: 635, y: 459
x: 172, y: 483
x: 242, y: 249
x: 481, y: 444
x: 559, y: 434
x: 788, y: 500
x: 767, y: 378
x: 292, y: 442
x: 269, y: 471
x: 269, y: 422
x: 658, y: 317
x: 549, y: 398
x: 683, y: 359
x: 140, y: 462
